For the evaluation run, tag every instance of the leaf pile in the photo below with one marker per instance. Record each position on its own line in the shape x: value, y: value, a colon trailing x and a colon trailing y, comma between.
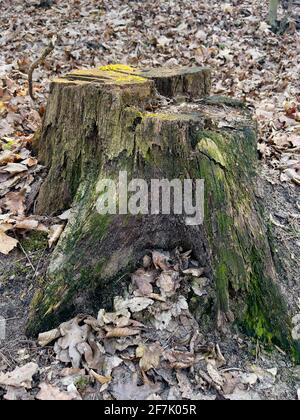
x: 20, y: 178
x: 148, y: 347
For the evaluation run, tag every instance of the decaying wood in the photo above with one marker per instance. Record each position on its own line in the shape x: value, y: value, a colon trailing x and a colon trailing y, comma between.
x: 98, y: 123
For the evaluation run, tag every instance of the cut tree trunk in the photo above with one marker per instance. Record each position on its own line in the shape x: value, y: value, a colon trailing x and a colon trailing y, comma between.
x: 157, y: 124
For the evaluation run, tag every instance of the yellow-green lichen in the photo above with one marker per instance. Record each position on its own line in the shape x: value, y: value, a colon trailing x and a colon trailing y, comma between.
x: 210, y: 148
x: 107, y: 76
x: 118, y: 67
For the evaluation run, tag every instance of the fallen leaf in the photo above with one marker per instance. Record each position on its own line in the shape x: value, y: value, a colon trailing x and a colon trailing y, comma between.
x: 168, y: 282
x: 136, y: 304
x: 161, y: 260
x: 47, y: 337
x: 7, y: 156
x: 16, y: 394
x: 30, y: 162
x: 149, y: 356
x: 179, y: 359
x: 54, y: 234
x: 131, y: 391
x: 72, y: 335
x: 195, y: 272
x: 100, y: 378
x: 14, y: 168
x: 7, y: 244
x: 52, y: 393
x: 121, y: 332
x: 214, y: 375
x: 110, y: 363
x: 20, y: 377
x: 14, y: 202
x: 142, y: 281
x: 27, y: 224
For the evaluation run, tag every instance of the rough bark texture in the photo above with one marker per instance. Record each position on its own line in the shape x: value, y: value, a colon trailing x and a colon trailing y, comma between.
x: 102, y: 121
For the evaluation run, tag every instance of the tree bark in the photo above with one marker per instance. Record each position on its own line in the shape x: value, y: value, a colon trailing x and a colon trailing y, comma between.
x: 99, y: 122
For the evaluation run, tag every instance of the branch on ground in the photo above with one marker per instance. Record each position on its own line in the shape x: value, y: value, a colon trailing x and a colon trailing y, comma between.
x: 40, y: 61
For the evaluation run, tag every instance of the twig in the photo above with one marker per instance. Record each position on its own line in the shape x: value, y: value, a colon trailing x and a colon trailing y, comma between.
x: 38, y: 264
x: 27, y: 256
x: 12, y: 319
x: 36, y: 64
x: 233, y: 369
x: 5, y: 359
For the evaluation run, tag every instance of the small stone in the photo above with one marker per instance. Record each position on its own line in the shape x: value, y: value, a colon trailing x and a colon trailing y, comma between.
x: 147, y: 261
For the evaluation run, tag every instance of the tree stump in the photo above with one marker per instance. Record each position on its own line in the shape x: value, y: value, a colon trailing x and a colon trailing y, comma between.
x: 156, y: 124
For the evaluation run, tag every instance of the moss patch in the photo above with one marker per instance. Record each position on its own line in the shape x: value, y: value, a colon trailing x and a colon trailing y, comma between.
x: 35, y: 241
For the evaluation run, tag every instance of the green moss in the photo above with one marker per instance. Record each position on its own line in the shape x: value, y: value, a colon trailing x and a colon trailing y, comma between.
x: 82, y: 383
x: 9, y: 144
x: 231, y: 226
x: 210, y: 148
x: 99, y: 224
x: 35, y: 241
x: 222, y: 282
x: 266, y: 314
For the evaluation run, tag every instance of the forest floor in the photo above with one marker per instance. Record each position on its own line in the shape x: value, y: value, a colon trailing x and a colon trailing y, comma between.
x: 249, y: 62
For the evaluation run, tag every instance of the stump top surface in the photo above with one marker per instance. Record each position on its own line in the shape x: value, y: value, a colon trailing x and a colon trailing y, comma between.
x: 120, y: 74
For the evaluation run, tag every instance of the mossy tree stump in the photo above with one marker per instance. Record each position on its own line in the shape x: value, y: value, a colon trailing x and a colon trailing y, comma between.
x: 99, y: 122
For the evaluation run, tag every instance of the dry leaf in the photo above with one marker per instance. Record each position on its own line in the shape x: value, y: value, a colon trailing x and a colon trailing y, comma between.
x: 20, y: 377
x: 52, y: 393
x: 214, y: 375
x: 168, y: 282
x: 161, y: 260
x: 14, y: 168
x: 110, y: 363
x: 131, y: 391
x: 72, y: 335
x: 136, y: 304
x: 7, y: 244
x: 14, y: 202
x: 195, y: 272
x: 100, y: 378
x: 7, y: 157
x: 162, y: 320
x: 54, y: 234
x: 47, y: 337
x: 142, y: 281
x: 149, y: 356
x: 16, y: 394
x: 27, y: 224
x: 121, y: 332
x: 179, y: 359
x: 30, y: 162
